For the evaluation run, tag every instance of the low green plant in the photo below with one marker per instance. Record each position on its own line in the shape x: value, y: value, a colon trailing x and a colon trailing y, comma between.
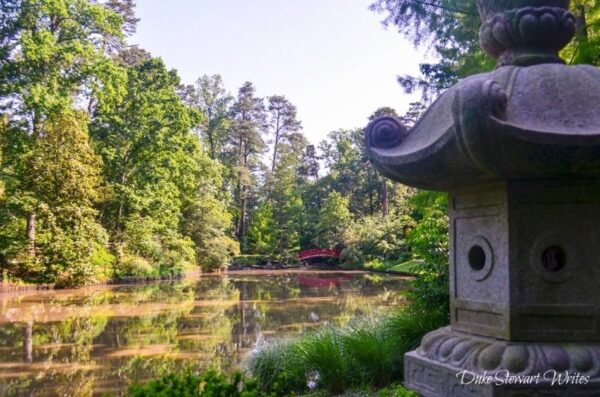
x: 321, y: 354
x: 277, y: 366
x: 208, y: 384
x: 367, y: 349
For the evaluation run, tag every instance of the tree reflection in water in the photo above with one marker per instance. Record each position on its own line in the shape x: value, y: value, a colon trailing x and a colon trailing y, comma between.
x: 97, y: 340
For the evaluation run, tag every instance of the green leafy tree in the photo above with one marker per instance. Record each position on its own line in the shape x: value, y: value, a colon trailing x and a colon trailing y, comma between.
x: 57, y: 180
x: 281, y: 123
x: 209, y: 97
x: 53, y: 51
x: 335, y: 217
x: 286, y: 195
x: 262, y: 238
x: 206, y: 219
x: 450, y: 28
x: 53, y: 54
x: 150, y: 163
x: 248, y: 114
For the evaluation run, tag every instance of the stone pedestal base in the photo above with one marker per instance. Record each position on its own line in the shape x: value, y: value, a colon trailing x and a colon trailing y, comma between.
x: 454, y: 364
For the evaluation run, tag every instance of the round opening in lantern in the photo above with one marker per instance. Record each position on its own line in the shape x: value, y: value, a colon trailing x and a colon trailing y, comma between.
x: 477, y: 258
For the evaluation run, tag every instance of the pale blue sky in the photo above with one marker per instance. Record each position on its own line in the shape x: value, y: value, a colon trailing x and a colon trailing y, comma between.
x: 332, y: 58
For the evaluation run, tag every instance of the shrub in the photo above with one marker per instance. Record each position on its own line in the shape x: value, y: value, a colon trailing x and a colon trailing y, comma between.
x: 136, y: 266
x: 209, y: 384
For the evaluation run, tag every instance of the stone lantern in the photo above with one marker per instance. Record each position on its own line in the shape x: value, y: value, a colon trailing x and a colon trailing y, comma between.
x: 518, y: 151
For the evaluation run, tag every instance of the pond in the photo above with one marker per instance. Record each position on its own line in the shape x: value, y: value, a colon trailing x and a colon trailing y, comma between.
x: 97, y: 340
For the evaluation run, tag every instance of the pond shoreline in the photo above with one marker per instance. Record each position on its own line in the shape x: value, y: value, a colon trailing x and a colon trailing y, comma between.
x: 16, y: 289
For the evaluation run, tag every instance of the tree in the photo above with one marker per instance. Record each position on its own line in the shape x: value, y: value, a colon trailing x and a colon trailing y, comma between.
x: 309, y: 163
x: 584, y: 49
x: 343, y: 153
x: 413, y: 114
x: 248, y: 114
x: 205, y: 218
x: 150, y: 163
x: 57, y: 180
x: 53, y: 51
x: 262, y: 238
x: 451, y: 29
x: 448, y: 27
x: 53, y: 55
x: 382, y: 112
x: 281, y: 122
x: 334, y: 218
x: 285, y: 195
x: 209, y: 97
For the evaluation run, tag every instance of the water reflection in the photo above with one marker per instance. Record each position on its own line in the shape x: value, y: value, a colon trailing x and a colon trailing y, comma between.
x: 88, y: 342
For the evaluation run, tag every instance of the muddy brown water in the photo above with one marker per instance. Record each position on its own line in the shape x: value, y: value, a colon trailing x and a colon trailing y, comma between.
x: 97, y: 340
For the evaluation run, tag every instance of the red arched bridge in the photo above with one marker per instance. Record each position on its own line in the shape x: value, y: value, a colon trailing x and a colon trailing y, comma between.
x: 319, y: 253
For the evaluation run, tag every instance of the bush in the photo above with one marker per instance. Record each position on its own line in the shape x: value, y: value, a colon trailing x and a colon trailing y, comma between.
x: 378, y: 238
x: 208, y: 384
x: 137, y: 267
x: 249, y: 260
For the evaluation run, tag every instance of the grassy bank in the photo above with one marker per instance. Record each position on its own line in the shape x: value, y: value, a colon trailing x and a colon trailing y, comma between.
x: 412, y: 267
x: 367, y: 354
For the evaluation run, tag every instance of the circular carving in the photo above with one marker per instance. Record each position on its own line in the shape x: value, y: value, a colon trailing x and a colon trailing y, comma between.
x: 554, y: 258
x: 550, y: 257
x: 480, y: 258
x: 527, y: 36
x: 385, y: 132
x: 478, y: 354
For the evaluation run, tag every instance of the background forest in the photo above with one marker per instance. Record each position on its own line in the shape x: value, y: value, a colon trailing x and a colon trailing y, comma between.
x: 112, y: 168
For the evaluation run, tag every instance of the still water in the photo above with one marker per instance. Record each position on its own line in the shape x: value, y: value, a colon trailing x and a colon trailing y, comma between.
x: 97, y: 340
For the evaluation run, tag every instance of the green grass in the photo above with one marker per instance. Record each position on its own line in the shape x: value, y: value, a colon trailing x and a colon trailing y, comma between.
x: 367, y: 354
x: 413, y: 266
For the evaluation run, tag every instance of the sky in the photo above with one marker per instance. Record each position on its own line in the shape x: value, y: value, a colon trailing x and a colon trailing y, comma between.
x: 333, y: 59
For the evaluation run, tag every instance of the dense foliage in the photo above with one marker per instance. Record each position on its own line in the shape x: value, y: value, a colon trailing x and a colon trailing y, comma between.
x: 450, y: 28
x: 207, y: 384
x: 111, y: 168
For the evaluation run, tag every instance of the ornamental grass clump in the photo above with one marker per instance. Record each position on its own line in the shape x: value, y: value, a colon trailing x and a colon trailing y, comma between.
x: 276, y: 366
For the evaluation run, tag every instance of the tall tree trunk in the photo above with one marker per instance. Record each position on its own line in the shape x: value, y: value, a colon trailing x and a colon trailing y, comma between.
x: 211, y: 143
x: 31, y: 223
x: 581, y: 24
x: 242, y: 196
x: 276, y: 144
x: 242, y: 223
x: 384, y: 198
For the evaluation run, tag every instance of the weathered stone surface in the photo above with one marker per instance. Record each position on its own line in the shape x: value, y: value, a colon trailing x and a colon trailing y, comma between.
x: 525, y: 32
x: 518, y: 150
x: 433, y: 378
x: 516, y: 122
x: 538, y: 267
x: 464, y: 351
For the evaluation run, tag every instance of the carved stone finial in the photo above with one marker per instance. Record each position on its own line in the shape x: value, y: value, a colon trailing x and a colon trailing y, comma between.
x: 385, y: 132
x: 525, y: 32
